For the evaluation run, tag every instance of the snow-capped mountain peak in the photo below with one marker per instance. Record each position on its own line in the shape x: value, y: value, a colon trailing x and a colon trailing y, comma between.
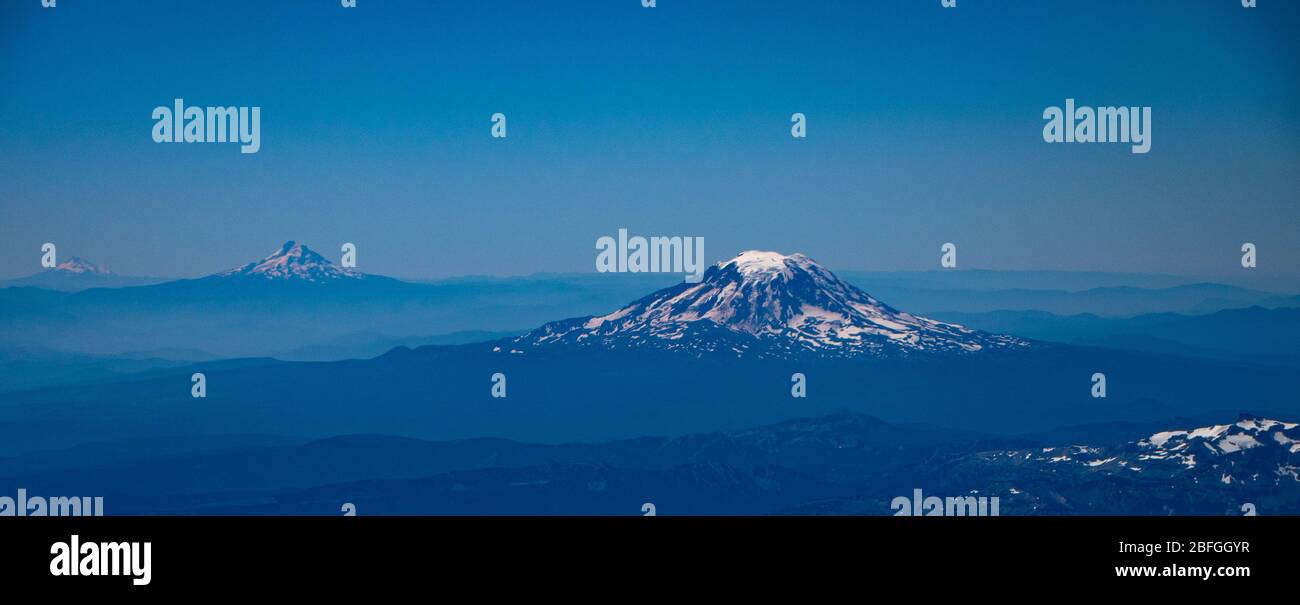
x: 80, y: 265
x: 779, y: 304
x: 294, y: 261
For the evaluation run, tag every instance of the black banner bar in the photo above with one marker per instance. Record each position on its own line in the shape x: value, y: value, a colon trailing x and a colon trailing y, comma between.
x: 322, y: 554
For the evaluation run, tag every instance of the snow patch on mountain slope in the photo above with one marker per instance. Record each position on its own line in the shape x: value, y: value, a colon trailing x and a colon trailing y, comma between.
x: 1249, y: 451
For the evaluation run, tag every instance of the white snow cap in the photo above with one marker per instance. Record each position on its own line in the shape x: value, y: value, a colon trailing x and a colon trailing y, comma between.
x: 757, y: 262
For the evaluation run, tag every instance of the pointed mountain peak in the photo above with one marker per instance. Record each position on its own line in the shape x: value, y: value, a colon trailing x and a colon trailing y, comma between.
x: 777, y: 304
x: 296, y: 250
x: 77, y: 264
x: 294, y: 261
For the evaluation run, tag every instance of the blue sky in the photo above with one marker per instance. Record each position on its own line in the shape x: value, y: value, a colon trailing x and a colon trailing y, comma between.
x: 924, y: 127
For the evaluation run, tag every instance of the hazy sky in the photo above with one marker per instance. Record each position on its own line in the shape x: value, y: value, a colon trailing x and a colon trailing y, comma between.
x: 924, y: 127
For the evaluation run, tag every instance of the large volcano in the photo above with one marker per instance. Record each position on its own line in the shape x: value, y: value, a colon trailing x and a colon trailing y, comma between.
x: 767, y: 304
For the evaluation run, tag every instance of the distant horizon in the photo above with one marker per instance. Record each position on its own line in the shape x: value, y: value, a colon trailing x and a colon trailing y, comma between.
x: 1251, y: 281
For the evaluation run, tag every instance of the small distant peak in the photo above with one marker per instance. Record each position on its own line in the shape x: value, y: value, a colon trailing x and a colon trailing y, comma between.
x: 77, y: 264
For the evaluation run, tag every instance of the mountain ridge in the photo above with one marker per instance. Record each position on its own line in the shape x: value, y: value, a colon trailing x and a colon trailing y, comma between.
x: 837, y: 463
